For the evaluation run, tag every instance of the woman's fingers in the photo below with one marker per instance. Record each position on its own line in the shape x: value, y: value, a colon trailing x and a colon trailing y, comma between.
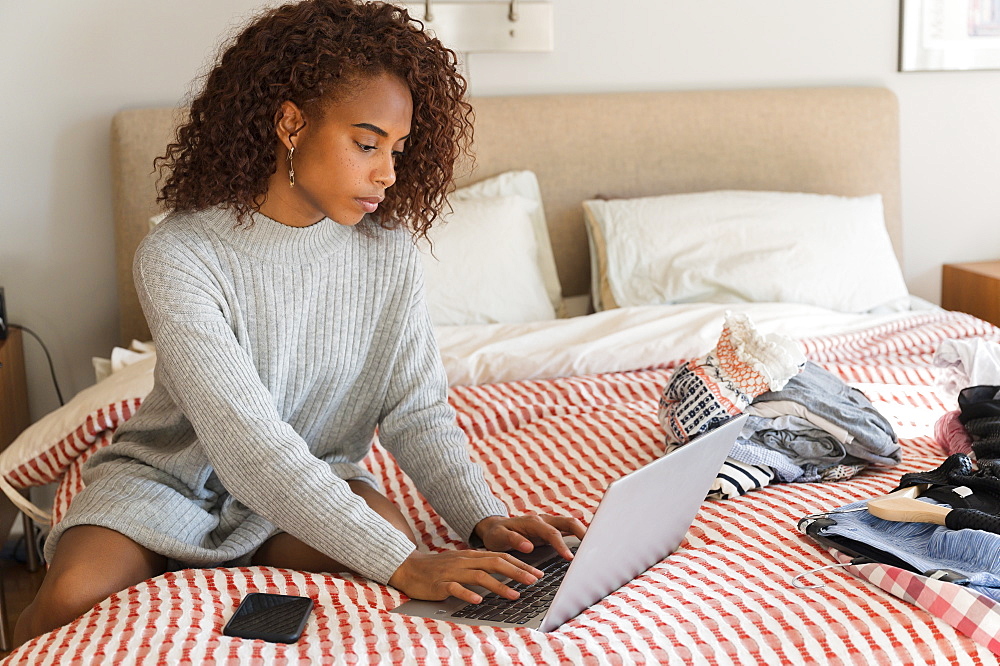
x: 512, y: 540
x: 474, y: 568
x: 506, y: 565
x: 550, y: 530
x: 554, y: 537
x: 459, y: 591
x: 434, y: 576
x: 566, y: 525
x: 438, y: 575
x: 483, y: 579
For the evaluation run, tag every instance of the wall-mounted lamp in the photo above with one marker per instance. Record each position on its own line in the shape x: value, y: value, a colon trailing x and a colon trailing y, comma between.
x: 476, y: 27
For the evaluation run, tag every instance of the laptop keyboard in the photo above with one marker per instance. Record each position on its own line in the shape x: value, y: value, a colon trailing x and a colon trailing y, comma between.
x: 534, y: 598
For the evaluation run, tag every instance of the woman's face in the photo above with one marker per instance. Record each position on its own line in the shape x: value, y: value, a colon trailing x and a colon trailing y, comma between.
x: 343, y: 160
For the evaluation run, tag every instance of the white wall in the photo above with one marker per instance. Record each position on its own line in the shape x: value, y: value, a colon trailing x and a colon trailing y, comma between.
x: 67, y: 67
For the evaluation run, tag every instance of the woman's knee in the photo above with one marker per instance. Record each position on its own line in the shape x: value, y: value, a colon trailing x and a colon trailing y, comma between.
x: 285, y: 551
x: 381, y: 505
x: 68, y: 594
x: 90, y: 564
x: 65, y: 595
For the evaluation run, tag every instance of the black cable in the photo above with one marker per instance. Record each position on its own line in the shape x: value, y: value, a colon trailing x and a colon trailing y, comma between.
x: 52, y: 369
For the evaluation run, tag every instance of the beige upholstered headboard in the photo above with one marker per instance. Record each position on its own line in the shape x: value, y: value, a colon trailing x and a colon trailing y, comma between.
x: 824, y: 140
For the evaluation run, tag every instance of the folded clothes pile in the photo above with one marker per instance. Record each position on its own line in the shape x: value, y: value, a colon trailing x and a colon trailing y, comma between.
x: 817, y: 428
x: 805, y: 423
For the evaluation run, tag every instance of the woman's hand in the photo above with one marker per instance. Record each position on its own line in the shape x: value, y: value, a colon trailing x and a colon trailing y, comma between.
x: 523, y: 533
x: 435, y: 576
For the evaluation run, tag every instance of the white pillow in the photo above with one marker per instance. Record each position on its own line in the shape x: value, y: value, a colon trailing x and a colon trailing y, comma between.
x: 481, y: 264
x: 156, y: 219
x: 525, y: 184
x: 121, y: 358
x: 734, y: 246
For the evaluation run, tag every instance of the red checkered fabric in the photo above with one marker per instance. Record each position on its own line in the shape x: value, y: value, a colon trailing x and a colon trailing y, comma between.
x: 974, y: 614
x: 553, y: 446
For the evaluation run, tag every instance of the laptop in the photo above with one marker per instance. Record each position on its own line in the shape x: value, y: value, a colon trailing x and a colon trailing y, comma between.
x: 642, y: 518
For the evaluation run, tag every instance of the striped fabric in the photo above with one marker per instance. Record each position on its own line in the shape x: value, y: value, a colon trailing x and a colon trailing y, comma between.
x: 88, y: 436
x: 738, y: 478
x: 553, y: 446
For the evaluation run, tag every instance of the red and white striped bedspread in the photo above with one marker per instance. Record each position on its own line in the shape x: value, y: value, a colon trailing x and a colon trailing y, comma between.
x: 553, y: 446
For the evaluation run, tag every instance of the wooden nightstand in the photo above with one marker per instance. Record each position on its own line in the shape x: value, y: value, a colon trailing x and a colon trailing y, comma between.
x: 972, y: 288
x: 14, y: 418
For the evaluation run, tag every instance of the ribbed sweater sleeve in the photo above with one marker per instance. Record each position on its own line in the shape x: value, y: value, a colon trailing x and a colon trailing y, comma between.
x: 418, y: 427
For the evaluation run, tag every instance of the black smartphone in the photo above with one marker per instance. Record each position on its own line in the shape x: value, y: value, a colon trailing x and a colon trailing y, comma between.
x: 276, y: 618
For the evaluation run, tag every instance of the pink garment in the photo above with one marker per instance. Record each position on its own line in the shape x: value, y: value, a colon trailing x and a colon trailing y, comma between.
x: 951, y: 435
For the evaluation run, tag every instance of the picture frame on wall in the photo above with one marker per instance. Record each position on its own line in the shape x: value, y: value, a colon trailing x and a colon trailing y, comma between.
x: 949, y: 35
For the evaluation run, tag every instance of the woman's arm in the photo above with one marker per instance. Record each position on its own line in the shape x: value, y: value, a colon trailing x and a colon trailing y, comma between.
x: 418, y: 427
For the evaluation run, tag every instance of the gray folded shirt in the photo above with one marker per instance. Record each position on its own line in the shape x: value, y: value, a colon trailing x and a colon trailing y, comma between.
x: 797, y: 449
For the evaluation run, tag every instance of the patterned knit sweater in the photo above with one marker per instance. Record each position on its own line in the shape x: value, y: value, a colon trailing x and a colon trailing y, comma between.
x: 279, y: 352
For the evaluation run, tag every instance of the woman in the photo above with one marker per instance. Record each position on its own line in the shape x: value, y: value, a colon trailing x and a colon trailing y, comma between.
x: 284, y: 295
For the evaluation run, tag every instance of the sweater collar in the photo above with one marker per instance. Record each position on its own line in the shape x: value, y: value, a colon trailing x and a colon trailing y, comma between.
x: 269, y: 239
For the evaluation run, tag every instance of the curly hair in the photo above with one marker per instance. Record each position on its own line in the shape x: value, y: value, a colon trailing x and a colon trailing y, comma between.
x: 308, y: 52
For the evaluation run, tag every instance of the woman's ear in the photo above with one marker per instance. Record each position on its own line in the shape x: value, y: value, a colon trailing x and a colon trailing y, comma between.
x: 288, y: 121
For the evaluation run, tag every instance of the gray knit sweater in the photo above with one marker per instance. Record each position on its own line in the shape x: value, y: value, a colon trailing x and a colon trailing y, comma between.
x: 279, y: 351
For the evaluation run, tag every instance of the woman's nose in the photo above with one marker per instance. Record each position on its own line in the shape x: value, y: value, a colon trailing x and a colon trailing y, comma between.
x: 385, y: 175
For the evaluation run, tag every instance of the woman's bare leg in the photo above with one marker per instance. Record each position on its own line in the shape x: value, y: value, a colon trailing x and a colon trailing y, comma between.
x: 285, y: 551
x: 90, y: 564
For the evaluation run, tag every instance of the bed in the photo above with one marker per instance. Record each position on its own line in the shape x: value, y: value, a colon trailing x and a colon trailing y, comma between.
x: 556, y: 408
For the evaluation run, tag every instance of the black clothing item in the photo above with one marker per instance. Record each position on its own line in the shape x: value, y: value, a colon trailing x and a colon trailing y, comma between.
x: 958, y: 483
x: 980, y: 414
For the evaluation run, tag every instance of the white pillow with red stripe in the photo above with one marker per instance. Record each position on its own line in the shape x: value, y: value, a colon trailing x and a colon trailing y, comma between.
x: 47, y: 447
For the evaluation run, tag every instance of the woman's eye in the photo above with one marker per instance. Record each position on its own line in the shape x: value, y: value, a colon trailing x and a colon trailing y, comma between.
x: 365, y: 147
x: 397, y: 155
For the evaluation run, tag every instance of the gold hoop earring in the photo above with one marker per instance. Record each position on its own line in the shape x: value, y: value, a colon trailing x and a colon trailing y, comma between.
x: 291, y: 169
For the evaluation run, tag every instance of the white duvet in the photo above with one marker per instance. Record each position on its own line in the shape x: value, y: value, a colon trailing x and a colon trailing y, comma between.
x: 622, y: 339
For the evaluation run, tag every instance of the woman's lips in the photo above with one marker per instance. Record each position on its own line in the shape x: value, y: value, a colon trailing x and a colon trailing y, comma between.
x: 369, y: 204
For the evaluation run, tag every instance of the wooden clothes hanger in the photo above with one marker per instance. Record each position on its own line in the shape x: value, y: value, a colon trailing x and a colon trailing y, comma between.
x: 903, y: 507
